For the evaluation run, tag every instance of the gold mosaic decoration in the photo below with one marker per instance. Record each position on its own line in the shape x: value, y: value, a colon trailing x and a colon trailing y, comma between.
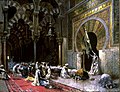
x: 103, y: 12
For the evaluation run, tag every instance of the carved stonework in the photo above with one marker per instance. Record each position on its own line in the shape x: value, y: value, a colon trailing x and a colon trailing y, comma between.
x: 116, y: 22
x: 97, y: 20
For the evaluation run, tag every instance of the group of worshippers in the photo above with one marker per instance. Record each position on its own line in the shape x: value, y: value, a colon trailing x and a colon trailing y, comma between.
x: 42, y: 74
x: 37, y: 72
x: 105, y: 80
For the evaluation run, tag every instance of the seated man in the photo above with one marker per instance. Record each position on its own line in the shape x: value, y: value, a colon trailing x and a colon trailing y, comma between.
x: 48, y: 72
x: 3, y: 72
x: 16, y: 69
x: 30, y: 76
x: 41, y: 76
x: 37, y: 75
x: 23, y: 70
x: 36, y: 65
x: 64, y: 72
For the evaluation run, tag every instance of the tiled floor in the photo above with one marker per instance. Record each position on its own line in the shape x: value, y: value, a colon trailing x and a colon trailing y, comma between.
x: 87, y: 85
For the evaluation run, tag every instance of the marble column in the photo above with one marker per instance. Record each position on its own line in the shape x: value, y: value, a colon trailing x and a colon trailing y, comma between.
x: 1, y: 29
x: 64, y: 46
x: 35, y: 41
x: 0, y: 50
x: 5, y: 32
x: 4, y: 52
x: 59, y: 40
x: 36, y: 33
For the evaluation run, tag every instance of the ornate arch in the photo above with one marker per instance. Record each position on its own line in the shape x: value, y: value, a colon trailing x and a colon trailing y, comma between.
x: 28, y: 6
x: 20, y: 14
x: 14, y: 3
x: 47, y: 19
x: 107, y: 36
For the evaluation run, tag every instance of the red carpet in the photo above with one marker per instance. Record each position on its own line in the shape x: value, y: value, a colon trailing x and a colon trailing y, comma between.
x: 26, y: 85
x: 20, y: 85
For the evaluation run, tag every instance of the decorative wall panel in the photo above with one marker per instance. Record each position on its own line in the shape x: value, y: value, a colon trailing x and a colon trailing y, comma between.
x: 116, y: 22
x: 97, y: 20
x: 110, y: 61
x: 71, y: 59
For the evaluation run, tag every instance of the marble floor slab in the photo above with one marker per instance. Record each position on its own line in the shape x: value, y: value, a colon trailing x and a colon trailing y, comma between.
x: 86, y: 85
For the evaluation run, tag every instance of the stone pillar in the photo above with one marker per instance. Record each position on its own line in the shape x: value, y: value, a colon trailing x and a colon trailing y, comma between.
x: 64, y: 51
x: 59, y: 40
x: 5, y: 11
x: 4, y: 52
x: 36, y: 23
x: 5, y: 32
x: 35, y: 41
x: 0, y: 51
x: 36, y: 32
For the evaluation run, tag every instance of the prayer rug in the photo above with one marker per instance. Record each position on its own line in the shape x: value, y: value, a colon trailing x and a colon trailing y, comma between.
x: 18, y: 84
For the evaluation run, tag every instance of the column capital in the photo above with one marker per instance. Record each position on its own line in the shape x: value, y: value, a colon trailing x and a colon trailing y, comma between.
x: 36, y: 12
x: 36, y: 4
x: 5, y: 9
x: 3, y: 39
x: 35, y: 38
x: 59, y: 40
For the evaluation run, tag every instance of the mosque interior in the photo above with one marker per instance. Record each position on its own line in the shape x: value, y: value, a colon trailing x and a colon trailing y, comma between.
x: 61, y: 32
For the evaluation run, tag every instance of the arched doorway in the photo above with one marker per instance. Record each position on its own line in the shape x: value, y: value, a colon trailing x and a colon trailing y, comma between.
x: 86, y: 56
x: 21, y: 41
